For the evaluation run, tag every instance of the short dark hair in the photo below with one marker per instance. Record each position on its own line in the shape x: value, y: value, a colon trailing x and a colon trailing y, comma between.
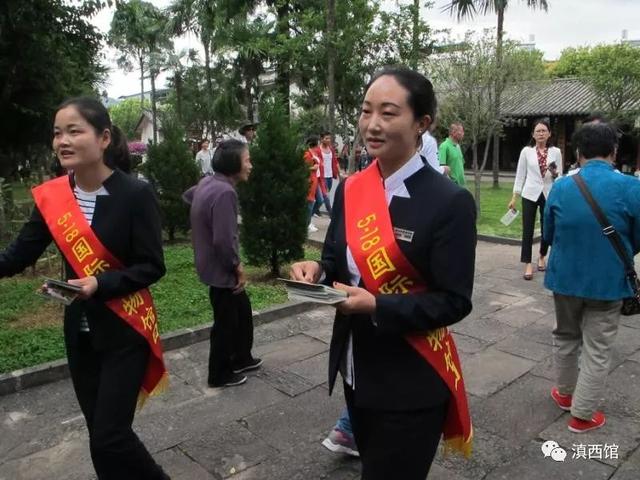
x: 95, y: 113
x: 596, y: 117
x: 227, y: 159
x: 324, y: 134
x: 595, y: 140
x: 422, y: 99
x: 545, y: 122
x: 312, y: 141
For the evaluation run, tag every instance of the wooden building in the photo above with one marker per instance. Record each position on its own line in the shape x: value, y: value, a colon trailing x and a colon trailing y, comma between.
x: 565, y: 103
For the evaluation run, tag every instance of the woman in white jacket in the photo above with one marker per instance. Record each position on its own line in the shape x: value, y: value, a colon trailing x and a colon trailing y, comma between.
x: 538, y: 166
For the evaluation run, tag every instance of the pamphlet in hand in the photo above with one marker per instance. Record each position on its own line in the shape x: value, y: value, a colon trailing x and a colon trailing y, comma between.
x: 59, y: 291
x: 508, y: 218
x: 313, y: 292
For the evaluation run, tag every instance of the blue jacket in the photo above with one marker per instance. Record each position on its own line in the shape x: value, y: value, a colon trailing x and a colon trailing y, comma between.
x: 583, y: 263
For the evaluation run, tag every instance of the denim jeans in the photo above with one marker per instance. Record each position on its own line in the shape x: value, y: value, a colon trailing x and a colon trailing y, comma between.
x: 344, y: 422
x: 328, y: 181
x: 320, y: 199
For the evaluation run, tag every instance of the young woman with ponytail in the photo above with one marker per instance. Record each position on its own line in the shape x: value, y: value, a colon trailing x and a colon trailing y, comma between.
x: 107, y: 227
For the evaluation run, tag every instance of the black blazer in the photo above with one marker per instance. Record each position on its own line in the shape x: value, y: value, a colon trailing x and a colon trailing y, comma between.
x: 389, y: 373
x: 127, y: 222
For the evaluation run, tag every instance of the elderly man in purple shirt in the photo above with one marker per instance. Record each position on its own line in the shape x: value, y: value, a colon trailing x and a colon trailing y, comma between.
x: 214, y: 233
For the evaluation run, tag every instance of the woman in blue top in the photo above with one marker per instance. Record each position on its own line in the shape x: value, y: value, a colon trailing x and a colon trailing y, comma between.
x: 586, y: 275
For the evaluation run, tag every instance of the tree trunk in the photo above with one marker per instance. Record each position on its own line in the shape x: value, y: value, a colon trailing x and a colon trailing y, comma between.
x: 499, y: 87
x: 206, y: 42
x: 496, y: 160
x: 275, y: 266
x: 154, y: 111
x: 415, y: 40
x: 477, y: 175
x: 248, y: 99
x: 283, y: 73
x: 331, y: 73
x: 141, y: 82
x: 178, y: 86
x: 352, y: 155
x: 4, y: 226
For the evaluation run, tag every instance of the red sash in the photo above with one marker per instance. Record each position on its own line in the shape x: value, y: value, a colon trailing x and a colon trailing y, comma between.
x: 385, y: 270
x: 88, y: 256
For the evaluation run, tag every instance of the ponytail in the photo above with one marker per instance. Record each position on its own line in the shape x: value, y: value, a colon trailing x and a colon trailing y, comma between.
x: 117, y: 153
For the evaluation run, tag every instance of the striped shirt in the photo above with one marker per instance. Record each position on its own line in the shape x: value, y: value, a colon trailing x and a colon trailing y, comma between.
x: 87, y: 203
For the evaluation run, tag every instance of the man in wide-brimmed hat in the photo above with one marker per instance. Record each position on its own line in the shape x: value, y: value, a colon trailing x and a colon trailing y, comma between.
x: 247, y: 132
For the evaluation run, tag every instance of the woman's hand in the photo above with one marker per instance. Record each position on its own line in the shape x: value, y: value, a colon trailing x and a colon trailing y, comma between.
x: 89, y: 286
x: 242, y: 280
x: 308, y: 271
x: 359, y: 300
x: 512, y: 203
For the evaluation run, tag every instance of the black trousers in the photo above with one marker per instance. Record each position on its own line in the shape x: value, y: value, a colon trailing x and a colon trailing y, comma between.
x: 395, y: 444
x: 107, y: 385
x: 231, y: 334
x: 529, y: 210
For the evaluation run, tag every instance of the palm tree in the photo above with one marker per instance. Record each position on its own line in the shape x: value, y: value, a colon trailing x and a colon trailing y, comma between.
x: 464, y: 9
x: 198, y: 17
x: 139, y: 29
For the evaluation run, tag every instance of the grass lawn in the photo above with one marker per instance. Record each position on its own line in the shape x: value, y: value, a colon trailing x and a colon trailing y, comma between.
x: 493, y: 203
x: 31, y: 327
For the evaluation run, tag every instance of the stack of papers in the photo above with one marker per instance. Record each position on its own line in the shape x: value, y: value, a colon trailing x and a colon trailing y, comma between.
x: 313, y: 292
x: 508, y: 218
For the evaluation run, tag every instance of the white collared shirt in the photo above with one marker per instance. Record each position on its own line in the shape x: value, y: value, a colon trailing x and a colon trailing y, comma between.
x: 393, y: 187
x: 429, y: 151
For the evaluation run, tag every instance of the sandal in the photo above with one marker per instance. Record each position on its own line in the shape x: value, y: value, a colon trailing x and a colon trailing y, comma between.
x: 528, y: 276
x: 541, y: 268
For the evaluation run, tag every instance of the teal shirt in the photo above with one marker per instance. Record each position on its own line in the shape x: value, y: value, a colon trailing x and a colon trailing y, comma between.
x: 450, y: 154
x: 583, y: 262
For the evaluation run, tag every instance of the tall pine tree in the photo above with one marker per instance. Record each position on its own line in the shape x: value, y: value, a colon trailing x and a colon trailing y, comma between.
x: 273, y: 201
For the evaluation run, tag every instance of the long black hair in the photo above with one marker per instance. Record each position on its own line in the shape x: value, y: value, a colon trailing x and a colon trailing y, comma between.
x: 94, y: 112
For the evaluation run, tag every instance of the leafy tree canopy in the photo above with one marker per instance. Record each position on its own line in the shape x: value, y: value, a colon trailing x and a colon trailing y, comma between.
x: 48, y: 51
x: 126, y: 115
x: 612, y: 70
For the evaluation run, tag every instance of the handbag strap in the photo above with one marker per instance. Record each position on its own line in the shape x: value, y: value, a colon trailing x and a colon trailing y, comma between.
x: 609, y: 231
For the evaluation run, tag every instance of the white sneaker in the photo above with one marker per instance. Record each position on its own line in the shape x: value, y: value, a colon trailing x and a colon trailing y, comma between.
x: 312, y: 228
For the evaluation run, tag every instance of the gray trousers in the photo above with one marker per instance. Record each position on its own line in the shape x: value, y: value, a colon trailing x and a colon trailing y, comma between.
x: 590, y: 325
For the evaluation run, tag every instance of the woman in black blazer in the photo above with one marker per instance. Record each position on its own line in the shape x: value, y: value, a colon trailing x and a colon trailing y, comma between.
x: 108, y: 358
x: 399, y: 403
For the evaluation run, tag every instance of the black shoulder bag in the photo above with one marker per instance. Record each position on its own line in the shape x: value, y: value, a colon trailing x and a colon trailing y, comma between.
x: 630, y: 305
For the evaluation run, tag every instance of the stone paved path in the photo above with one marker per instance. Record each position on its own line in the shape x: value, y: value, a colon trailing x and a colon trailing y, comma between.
x: 271, y: 428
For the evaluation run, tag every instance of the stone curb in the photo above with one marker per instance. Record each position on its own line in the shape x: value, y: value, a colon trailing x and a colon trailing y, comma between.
x: 21, y: 379
x: 503, y: 240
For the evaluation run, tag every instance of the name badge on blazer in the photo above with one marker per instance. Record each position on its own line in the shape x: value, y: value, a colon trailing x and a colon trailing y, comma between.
x: 402, y: 234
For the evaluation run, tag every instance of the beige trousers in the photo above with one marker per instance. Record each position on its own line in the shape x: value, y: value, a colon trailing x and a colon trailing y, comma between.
x: 590, y: 326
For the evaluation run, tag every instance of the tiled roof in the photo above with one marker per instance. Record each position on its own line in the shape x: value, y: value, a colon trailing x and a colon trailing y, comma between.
x: 560, y: 96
